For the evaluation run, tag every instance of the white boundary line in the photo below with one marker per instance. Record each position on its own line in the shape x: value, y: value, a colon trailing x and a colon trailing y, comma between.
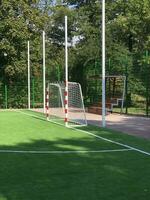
x: 118, y: 143
x: 97, y: 136
x: 62, y: 152
x: 31, y: 115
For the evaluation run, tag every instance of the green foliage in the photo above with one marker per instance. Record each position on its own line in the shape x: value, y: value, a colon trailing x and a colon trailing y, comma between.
x: 127, y: 40
x: 20, y: 20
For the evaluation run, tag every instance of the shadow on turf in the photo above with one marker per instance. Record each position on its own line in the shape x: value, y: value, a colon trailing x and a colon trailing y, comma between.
x: 89, y: 176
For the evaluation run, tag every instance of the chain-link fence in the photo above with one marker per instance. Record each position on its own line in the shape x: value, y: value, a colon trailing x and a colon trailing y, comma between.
x: 16, y: 95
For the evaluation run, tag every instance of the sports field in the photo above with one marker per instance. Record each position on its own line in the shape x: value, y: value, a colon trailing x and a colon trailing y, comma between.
x: 40, y: 160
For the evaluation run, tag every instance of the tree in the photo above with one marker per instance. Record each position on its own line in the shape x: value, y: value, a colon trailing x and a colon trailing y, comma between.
x: 20, y: 21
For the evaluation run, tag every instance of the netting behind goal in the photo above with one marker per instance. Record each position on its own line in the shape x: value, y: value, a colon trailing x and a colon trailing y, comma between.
x: 76, y: 111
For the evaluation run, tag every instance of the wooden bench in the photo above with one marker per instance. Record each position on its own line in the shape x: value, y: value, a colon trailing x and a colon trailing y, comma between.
x: 97, y: 108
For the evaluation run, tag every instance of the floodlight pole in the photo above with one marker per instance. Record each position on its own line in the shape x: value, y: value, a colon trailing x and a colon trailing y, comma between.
x: 66, y: 71
x: 44, y: 82
x: 29, y: 103
x: 103, y: 66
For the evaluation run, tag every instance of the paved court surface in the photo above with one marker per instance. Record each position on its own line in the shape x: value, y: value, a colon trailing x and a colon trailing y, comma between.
x: 138, y: 126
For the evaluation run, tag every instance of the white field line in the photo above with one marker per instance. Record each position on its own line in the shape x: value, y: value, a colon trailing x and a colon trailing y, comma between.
x: 5, y: 109
x: 111, y: 141
x: 31, y: 115
x: 97, y: 136
x: 62, y: 152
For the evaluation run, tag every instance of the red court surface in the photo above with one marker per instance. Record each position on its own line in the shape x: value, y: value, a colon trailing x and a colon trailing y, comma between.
x: 139, y: 126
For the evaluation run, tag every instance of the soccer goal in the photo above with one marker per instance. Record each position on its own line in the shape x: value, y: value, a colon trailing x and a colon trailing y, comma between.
x: 74, y: 114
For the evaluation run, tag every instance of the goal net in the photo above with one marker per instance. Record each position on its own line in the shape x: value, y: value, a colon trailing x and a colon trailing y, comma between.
x: 56, y: 104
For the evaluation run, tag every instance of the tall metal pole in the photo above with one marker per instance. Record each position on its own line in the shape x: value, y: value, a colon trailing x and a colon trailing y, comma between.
x: 103, y: 66
x: 66, y: 71
x: 44, y: 82
x: 29, y: 103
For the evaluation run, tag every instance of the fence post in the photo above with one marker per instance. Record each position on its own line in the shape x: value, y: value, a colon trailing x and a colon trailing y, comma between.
x: 109, y: 65
x: 147, y: 97
x: 126, y: 86
x: 33, y: 99
x: 58, y: 72
x: 147, y: 87
x: 6, y: 97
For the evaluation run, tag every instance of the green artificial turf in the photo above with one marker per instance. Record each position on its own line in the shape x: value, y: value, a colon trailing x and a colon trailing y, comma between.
x: 78, y: 176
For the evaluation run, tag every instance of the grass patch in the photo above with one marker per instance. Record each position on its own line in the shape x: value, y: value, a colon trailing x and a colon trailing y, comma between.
x: 89, y: 176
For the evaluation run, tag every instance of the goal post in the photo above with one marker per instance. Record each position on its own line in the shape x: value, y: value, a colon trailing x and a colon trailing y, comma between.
x: 56, y: 111
x: 65, y: 100
x: 55, y: 102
